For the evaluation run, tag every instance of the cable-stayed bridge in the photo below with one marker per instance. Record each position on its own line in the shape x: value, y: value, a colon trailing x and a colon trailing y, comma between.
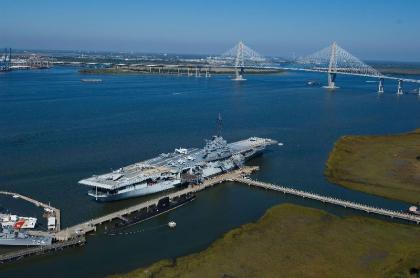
x: 241, y: 56
x: 332, y: 60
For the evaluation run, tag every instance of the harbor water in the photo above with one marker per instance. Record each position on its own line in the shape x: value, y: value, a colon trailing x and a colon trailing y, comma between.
x: 56, y: 130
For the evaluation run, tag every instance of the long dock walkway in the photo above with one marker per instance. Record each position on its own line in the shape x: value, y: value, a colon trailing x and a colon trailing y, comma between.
x: 38, y: 250
x: 74, y: 235
x: 344, y: 203
x: 90, y: 226
x: 37, y: 203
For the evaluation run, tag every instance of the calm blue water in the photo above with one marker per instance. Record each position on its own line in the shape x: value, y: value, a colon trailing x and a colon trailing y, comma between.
x: 55, y: 130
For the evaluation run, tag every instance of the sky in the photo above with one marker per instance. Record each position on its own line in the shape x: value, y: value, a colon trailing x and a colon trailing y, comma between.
x: 369, y: 29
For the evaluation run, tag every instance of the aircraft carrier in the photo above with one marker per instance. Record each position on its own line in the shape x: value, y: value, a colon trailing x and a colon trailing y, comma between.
x: 181, y: 167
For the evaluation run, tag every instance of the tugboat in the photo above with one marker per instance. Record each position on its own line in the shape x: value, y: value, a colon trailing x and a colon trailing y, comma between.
x: 312, y: 83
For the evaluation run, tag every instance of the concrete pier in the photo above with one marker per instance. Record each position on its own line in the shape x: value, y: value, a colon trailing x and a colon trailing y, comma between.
x: 237, y: 176
x: 39, y: 250
x: 381, y: 86
x: 239, y: 74
x: 90, y: 226
x: 74, y: 235
x: 55, y: 211
x: 331, y: 81
x: 399, y: 87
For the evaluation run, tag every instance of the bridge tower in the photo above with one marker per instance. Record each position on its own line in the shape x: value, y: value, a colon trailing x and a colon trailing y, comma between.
x: 239, y: 73
x: 241, y: 56
x: 381, y: 86
x: 208, y: 73
x: 332, y: 67
x: 334, y: 60
x: 239, y: 62
x: 399, y: 87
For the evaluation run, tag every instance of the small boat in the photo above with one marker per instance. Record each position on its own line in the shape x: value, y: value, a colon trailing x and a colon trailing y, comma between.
x: 312, y: 83
x: 280, y: 144
x: 171, y: 224
x: 91, y: 80
x: 414, y: 210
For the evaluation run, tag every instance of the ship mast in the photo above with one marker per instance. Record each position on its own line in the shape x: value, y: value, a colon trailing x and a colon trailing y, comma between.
x: 219, y: 125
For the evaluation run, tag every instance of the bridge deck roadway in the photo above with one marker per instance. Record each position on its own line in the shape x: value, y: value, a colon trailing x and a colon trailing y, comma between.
x: 342, y: 72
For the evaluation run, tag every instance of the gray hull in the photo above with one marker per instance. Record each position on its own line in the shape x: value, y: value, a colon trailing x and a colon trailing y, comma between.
x: 132, y: 194
x: 32, y: 241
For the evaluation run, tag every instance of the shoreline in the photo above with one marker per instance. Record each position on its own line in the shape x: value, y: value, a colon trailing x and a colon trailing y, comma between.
x: 165, y: 70
x: 300, y: 241
x: 384, y: 165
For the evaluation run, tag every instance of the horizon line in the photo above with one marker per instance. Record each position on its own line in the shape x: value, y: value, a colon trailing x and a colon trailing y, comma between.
x: 171, y: 53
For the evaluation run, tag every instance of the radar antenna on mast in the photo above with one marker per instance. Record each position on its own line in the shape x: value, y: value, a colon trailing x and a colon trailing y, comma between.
x: 219, y: 125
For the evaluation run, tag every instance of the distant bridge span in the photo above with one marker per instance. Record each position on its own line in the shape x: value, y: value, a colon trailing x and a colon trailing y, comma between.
x: 332, y: 60
x: 326, y: 71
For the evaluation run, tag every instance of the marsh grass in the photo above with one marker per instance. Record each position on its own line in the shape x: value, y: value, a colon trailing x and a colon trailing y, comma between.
x: 388, y: 166
x: 295, y: 241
